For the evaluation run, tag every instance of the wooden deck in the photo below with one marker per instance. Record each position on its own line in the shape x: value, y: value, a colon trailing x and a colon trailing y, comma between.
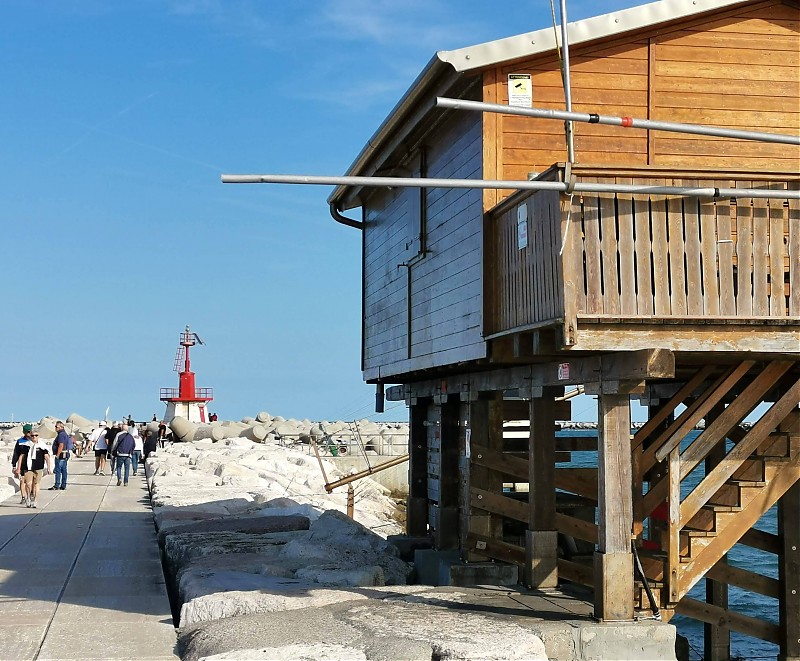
x: 619, y: 271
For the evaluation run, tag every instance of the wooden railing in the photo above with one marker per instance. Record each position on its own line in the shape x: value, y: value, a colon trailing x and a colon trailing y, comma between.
x: 643, y: 256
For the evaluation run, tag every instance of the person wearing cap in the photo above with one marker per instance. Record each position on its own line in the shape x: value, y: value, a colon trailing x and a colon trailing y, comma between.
x: 26, y: 436
x: 34, y: 456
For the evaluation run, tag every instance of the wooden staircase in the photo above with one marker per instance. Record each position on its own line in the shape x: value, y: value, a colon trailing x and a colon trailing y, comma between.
x: 747, y: 470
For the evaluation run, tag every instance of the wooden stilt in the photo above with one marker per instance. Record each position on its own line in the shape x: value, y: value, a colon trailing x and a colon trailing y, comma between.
x: 417, y: 513
x: 614, y: 560
x: 789, y: 573
x: 716, y: 639
x: 541, y: 541
x: 486, y: 429
x: 446, y: 534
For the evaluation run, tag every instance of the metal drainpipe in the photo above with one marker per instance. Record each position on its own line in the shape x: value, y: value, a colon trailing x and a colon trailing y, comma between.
x: 344, y: 220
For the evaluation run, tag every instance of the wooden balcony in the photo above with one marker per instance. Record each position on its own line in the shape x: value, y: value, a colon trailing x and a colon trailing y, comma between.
x: 628, y: 271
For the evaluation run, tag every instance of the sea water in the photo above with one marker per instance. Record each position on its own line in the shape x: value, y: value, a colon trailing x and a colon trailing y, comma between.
x: 748, y: 603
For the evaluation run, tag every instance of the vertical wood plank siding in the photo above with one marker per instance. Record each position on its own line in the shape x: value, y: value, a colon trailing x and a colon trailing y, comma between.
x: 739, y: 68
x: 529, y: 283
x: 426, y: 310
x: 648, y: 256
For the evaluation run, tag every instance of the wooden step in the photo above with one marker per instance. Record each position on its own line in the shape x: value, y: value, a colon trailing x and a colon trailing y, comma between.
x: 747, y: 483
x: 698, y: 532
x: 716, y: 507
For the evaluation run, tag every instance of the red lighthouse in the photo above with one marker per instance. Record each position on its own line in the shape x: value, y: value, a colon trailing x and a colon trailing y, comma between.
x: 186, y: 401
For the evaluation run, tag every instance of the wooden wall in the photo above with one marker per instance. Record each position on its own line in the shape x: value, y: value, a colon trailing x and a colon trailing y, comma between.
x: 739, y: 68
x: 425, y: 310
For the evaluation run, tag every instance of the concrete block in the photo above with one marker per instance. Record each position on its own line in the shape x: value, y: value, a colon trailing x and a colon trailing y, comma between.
x: 483, y: 573
x: 626, y: 642
x: 433, y: 567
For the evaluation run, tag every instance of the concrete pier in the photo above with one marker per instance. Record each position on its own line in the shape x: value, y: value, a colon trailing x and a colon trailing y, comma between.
x: 80, y: 576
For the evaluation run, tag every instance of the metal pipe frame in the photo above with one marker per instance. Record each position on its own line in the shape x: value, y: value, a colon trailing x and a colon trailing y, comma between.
x: 611, y: 120
x: 579, y: 187
x: 566, y: 81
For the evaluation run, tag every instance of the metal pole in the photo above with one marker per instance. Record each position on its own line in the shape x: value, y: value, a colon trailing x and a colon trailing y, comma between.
x: 565, y: 79
x: 627, y: 122
x: 410, y: 182
x: 330, y: 486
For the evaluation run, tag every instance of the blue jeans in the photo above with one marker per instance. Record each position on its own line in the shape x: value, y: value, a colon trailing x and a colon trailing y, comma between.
x: 127, y: 462
x: 135, y: 460
x: 61, y: 473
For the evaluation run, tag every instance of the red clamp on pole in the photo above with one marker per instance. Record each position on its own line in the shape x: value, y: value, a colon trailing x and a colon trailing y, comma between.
x: 627, y: 122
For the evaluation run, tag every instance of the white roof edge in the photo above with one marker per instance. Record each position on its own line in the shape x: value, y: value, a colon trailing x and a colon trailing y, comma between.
x: 597, y: 27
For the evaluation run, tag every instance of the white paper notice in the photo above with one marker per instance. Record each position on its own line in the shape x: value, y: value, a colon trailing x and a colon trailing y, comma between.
x: 520, y: 90
x: 522, y: 226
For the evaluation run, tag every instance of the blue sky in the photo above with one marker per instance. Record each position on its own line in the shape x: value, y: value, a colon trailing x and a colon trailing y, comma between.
x: 117, y: 119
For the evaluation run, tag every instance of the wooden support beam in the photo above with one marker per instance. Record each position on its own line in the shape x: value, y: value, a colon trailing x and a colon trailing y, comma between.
x: 751, y: 626
x: 739, y: 453
x: 624, y: 366
x: 447, y: 524
x: 576, y: 572
x: 722, y: 572
x: 789, y: 573
x: 486, y: 429
x: 665, y: 411
x: 577, y: 528
x: 541, y: 540
x: 614, y: 560
x: 498, y: 504
x: 502, y: 462
x: 489, y: 547
x: 580, y: 481
x: 717, y: 639
x: 417, y: 511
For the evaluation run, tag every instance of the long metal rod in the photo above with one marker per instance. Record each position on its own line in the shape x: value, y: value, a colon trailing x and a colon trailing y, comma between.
x: 580, y: 187
x: 566, y: 81
x: 330, y: 486
x: 611, y: 120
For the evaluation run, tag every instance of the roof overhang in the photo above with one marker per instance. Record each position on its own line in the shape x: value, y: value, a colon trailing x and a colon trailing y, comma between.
x: 480, y: 56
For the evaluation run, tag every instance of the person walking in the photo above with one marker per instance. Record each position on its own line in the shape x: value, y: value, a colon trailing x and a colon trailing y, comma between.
x: 138, y: 448
x: 150, y: 444
x: 34, y: 455
x: 162, y: 434
x: 111, y: 437
x: 100, y: 452
x: 122, y: 450
x: 62, y: 447
x: 27, y: 430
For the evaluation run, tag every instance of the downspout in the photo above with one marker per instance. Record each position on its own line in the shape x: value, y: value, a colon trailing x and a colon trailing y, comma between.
x: 344, y: 220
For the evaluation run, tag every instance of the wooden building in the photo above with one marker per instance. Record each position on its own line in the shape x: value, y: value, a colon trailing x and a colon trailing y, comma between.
x: 484, y: 305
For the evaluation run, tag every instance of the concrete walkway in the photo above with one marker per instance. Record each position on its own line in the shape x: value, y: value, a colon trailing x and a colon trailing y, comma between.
x: 80, y: 577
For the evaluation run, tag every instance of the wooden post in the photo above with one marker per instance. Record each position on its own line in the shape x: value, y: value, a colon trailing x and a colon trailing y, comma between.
x: 614, y: 560
x: 351, y: 500
x: 485, y: 428
x: 417, y: 512
x: 716, y: 639
x: 789, y: 573
x: 541, y: 540
x: 447, y: 534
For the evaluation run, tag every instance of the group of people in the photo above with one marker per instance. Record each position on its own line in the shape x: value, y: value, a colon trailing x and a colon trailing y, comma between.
x: 120, y: 443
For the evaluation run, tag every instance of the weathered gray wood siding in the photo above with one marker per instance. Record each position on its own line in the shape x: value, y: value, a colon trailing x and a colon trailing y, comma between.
x: 423, y: 310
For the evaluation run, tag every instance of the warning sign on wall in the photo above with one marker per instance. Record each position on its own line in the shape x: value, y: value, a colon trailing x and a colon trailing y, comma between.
x: 520, y: 90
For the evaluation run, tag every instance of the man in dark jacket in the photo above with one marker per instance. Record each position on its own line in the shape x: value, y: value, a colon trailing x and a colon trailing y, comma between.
x: 124, y: 445
x: 62, y: 446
